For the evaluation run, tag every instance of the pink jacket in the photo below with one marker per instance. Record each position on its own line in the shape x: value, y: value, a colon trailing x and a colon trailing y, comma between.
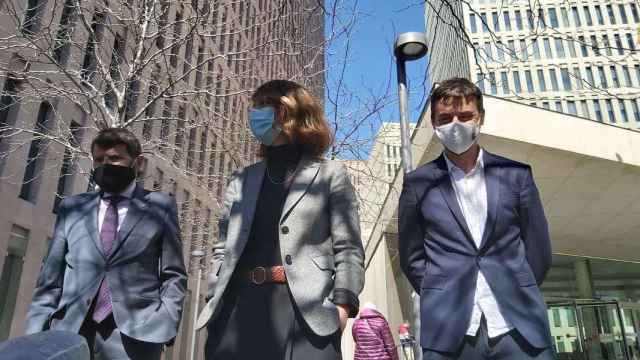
x: 372, y: 337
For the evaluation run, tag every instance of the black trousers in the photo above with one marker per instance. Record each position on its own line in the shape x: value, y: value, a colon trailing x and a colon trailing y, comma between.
x: 509, y: 346
x: 107, y: 343
x: 262, y: 322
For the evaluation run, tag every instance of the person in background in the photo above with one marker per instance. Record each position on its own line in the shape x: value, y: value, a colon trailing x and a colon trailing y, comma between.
x: 289, y: 263
x: 372, y: 336
x: 114, y: 272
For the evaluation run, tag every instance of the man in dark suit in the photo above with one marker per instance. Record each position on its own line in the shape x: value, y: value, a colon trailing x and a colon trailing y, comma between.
x: 474, y: 242
x: 115, y: 272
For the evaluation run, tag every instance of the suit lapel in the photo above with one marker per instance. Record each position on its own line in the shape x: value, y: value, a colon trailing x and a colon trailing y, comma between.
x: 446, y: 187
x: 305, y: 174
x: 91, y: 221
x: 250, y: 191
x: 135, y: 213
x: 492, y: 179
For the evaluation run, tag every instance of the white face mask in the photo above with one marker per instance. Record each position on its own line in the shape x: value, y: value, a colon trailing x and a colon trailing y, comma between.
x: 457, y: 136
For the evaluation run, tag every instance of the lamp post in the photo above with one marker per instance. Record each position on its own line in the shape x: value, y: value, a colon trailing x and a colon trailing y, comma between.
x: 408, y: 47
x: 197, y: 254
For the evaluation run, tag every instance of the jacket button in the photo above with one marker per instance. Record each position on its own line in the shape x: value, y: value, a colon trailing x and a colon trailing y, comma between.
x: 88, y: 302
x: 285, y: 230
x: 288, y: 260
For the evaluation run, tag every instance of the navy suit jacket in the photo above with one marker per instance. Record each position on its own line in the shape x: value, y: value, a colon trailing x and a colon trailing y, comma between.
x: 441, y: 260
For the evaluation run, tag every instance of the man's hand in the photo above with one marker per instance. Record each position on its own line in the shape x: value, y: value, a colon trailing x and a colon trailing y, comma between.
x: 343, y: 312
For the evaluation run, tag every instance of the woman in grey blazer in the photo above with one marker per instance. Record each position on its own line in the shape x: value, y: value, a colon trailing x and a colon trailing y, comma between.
x: 288, y: 266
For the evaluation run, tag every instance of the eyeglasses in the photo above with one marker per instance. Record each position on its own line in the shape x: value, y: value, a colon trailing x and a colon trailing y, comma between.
x: 461, y: 116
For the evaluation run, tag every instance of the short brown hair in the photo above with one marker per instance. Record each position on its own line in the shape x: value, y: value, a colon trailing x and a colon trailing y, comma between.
x: 111, y: 137
x: 455, y: 88
x: 304, y: 121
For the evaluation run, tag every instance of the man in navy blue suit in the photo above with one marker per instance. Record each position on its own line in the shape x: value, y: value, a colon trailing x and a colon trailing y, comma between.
x: 474, y: 242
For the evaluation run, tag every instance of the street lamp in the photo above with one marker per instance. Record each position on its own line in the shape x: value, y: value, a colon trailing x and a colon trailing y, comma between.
x: 196, y: 254
x: 408, y: 47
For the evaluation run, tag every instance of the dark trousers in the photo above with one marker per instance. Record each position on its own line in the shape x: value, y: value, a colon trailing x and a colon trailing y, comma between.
x: 107, y: 343
x: 509, y: 346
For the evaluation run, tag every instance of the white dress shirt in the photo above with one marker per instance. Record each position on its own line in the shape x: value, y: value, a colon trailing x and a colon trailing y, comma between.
x: 471, y: 192
x: 123, y: 205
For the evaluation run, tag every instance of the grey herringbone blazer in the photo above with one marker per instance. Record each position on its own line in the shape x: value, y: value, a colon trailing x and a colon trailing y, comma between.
x: 319, y: 234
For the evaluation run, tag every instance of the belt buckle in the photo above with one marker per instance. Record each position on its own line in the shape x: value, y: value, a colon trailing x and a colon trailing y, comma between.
x: 254, y: 278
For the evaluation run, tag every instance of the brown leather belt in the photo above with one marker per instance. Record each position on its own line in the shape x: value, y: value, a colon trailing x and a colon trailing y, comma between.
x: 266, y: 274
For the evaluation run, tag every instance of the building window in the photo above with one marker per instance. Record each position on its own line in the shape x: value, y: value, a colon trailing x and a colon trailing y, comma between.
x: 585, y: 109
x: 554, y: 79
x: 597, y: 109
x: 165, y: 125
x: 150, y: 110
x: 487, y: 51
x: 571, y: 108
x: 553, y: 18
x: 523, y: 50
x: 191, y: 148
x: 389, y: 170
x: 576, y: 16
x: 8, y: 103
x: 511, y: 45
x: 32, y: 14
x: 177, y: 34
x: 472, y: 23
x: 541, y: 82
x: 483, y: 17
x: 504, y: 82
x: 11, y: 277
x: 62, y: 41
x: 636, y: 109
x: 507, y: 20
x: 529, y: 80
x: 632, y: 45
x: 614, y: 76
x: 637, y: 69
x: 587, y: 15
x: 541, y: 21
x: 599, y: 15
x: 623, y: 14
x: 565, y: 17
x: 518, y: 15
x: 492, y: 80
x: 547, y: 48
x: 612, y: 16
x: 590, y: 79
x: 594, y: 45
x: 566, y: 79
x: 569, y: 44
x: 634, y: 12
x: 602, y: 77
x: 480, y: 81
x: 583, y: 46
x: 536, y: 49
x: 37, y: 153
x: 65, y: 180
x: 89, y: 62
x: 516, y: 82
x: 623, y: 110
x: 559, y: 48
x: 558, y: 105
x: 530, y: 19
x: 619, y: 46
x: 606, y: 44
x: 577, y: 78
x: 627, y: 76
x: 496, y: 21
x: 610, y: 113
x: 545, y: 104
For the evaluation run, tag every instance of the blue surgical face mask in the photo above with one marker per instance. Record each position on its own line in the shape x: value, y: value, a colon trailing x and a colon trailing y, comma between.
x: 263, y: 126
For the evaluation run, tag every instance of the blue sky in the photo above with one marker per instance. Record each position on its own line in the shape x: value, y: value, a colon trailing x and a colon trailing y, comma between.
x: 370, y: 69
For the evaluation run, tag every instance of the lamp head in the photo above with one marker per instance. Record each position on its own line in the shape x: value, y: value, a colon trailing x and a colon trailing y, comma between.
x: 410, y: 46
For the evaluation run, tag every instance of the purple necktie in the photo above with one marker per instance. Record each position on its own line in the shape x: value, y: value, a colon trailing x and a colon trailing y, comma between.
x: 108, y: 234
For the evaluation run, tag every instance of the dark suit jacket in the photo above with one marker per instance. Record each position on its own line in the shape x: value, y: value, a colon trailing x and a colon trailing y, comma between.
x: 441, y: 260
x: 145, y: 270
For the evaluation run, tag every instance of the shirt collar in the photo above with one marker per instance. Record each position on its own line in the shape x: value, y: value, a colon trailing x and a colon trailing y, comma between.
x: 453, y: 169
x: 126, y: 193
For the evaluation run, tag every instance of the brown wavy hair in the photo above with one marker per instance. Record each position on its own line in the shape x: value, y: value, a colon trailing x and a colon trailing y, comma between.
x: 304, y: 123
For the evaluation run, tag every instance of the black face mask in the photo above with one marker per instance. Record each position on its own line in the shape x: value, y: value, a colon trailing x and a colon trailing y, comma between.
x: 113, y: 178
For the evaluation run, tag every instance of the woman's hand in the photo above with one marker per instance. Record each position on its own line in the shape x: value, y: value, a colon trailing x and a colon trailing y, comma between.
x: 343, y: 312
